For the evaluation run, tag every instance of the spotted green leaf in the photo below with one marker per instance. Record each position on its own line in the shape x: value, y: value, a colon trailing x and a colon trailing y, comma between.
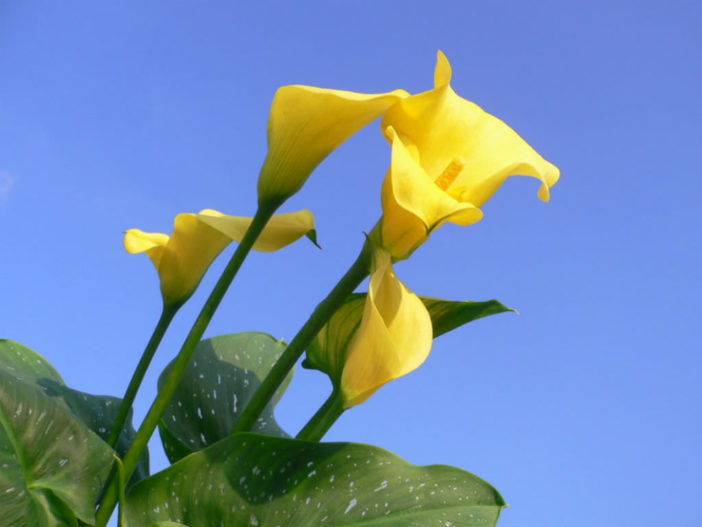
x: 53, y: 466
x: 98, y: 412
x: 223, y: 374
x: 26, y: 364
x: 251, y: 479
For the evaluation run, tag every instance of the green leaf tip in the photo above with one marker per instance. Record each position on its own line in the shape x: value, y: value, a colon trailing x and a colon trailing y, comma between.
x: 312, y: 236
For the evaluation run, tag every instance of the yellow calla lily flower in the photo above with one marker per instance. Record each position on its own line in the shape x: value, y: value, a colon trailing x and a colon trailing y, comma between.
x: 305, y: 125
x: 182, y: 258
x: 448, y: 158
x: 393, y: 339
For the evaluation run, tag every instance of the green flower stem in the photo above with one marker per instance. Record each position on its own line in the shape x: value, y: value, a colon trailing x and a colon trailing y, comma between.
x: 122, y: 484
x: 158, y: 407
x: 167, y: 315
x: 358, y: 271
x: 323, y: 420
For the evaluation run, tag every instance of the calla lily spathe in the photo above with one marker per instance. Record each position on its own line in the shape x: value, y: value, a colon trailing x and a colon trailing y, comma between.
x: 448, y: 158
x: 182, y: 258
x: 393, y: 339
x: 305, y: 125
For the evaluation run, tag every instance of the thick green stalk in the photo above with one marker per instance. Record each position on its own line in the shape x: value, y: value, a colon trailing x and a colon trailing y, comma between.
x: 358, y: 271
x: 323, y: 420
x: 164, y: 321
x: 158, y: 407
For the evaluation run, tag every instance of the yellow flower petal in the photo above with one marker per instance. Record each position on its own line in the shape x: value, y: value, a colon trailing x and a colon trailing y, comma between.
x: 191, y: 248
x: 443, y: 70
x: 443, y: 127
x: 280, y: 231
x: 414, y: 205
x: 182, y: 258
x: 305, y: 125
x: 152, y: 243
x: 394, y: 337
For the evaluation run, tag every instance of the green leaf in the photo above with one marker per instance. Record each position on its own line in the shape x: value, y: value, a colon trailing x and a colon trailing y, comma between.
x: 98, y: 412
x: 250, y: 479
x: 53, y: 466
x: 327, y: 352
x: 447, y: 315
x: 26, y: 364
x: 222, y: 376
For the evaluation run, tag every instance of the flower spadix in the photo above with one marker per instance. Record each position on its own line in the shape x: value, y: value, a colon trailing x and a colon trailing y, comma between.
x: 182, y: 258
x: 305, y: 125
x: 373, y: 340
x: 448, y: 158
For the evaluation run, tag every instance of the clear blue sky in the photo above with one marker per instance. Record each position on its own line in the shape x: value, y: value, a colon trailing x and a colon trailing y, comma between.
x: 584, y: 410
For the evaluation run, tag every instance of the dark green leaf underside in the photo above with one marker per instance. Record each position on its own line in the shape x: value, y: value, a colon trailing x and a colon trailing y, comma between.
x: 219, y: 381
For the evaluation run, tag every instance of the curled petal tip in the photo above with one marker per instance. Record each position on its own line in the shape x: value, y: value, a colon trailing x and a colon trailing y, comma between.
x: 442, y: 72
x: 544, y: 193
x: 549, y: 177
x: 137, y: 241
